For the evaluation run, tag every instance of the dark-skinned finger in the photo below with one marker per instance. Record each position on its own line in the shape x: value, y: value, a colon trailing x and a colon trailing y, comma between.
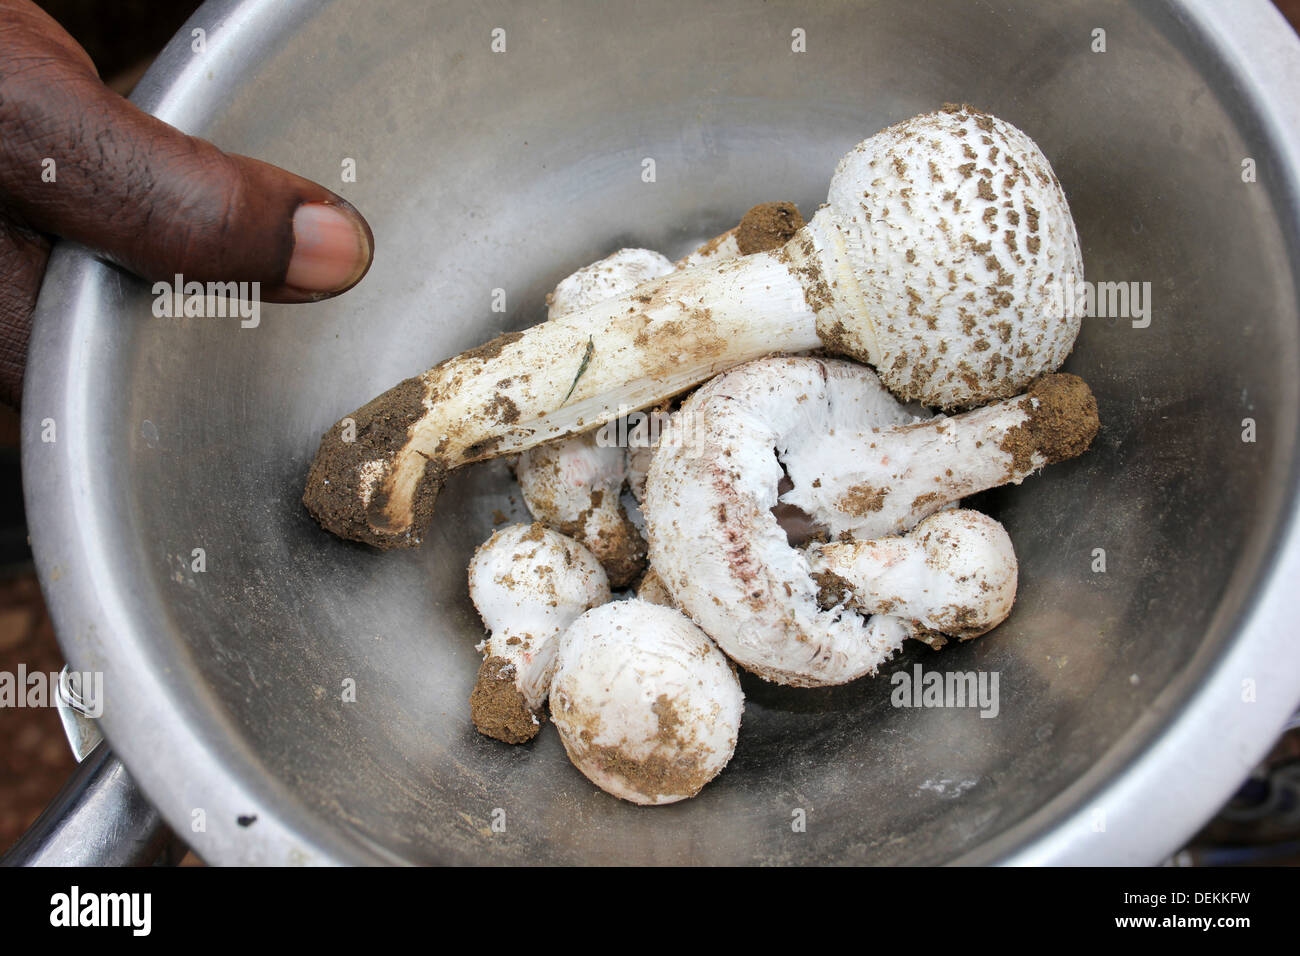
x: 77, y: 160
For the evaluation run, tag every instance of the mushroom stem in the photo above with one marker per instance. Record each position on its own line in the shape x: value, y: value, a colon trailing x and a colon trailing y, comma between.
x: 884, y: 480
x: 573, y: 484
x: 954, y: 573
x: 565, y: 376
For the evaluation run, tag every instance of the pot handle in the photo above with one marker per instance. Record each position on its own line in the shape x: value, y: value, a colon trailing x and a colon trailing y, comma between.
x: 100, y: 817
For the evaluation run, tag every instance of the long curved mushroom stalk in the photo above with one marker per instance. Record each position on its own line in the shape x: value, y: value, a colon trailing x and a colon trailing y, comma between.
x: 938, y: 258
x: 954, y: 574
x: 715, y: 476
x: 647, y: 707
x: 529, y: 584
x: 870, y: 483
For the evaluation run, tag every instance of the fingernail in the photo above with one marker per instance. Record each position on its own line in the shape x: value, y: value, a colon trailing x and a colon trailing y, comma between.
x: 330, y: 249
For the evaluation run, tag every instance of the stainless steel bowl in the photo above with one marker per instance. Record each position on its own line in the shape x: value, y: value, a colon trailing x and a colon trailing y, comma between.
x: 1131, y: 701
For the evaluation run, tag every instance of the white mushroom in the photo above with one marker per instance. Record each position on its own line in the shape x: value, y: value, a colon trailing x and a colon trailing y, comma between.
x: 883, y: 480
x: 715, y: 477
x: 954, y: 574
x: 574, y: 484
x: 764, y: 228
x: 612, y: 276
x: 648, y: 708
x: 529, y: 584
x: 938, y: 258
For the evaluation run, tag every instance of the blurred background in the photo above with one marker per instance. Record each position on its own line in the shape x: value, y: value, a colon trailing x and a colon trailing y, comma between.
x: 1261, y: 825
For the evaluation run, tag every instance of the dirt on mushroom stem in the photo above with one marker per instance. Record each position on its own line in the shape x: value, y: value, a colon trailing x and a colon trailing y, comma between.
x: 1062, y: 421
x: 497, y: 707
x: 768, y: 226
x: 333, y: 481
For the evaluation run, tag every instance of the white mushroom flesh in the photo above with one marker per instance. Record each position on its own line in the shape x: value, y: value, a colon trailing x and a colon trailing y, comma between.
x: 884, y: 480
x: 615, y: 274
x: 648, y: 708
x: 715, y: 541
x: 574, y: 484
x: 715, y: 477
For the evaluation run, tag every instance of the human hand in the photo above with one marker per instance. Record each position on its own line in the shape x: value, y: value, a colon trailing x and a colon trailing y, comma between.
x: 142, y: 194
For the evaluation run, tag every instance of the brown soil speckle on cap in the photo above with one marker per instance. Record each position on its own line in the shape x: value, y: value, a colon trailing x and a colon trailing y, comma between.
x: 382, y: 426
x: 768, y: 226
x: 498, y: 708
x: 660, y: 774
x: 1061, y: 422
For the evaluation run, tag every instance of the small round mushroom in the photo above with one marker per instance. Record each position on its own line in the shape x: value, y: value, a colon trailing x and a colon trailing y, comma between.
x: 715, y: 478
x: 605, y: 278
x: 939, y: 258
x: 529, y: 584
x: 574, y: 486
x: 954, y: 573
x: 648, y: 708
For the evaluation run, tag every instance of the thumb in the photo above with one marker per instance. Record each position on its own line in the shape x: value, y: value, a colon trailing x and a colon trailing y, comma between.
x: 153, y: 199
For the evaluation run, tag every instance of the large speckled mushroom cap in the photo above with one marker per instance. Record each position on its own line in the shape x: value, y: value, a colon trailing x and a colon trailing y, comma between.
x: 961, y: 242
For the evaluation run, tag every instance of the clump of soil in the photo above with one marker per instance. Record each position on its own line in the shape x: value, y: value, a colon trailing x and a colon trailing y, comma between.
x: 333, y: 495
x: 498, y: 708
x: 768, y: 226
x: 1062, y: 422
